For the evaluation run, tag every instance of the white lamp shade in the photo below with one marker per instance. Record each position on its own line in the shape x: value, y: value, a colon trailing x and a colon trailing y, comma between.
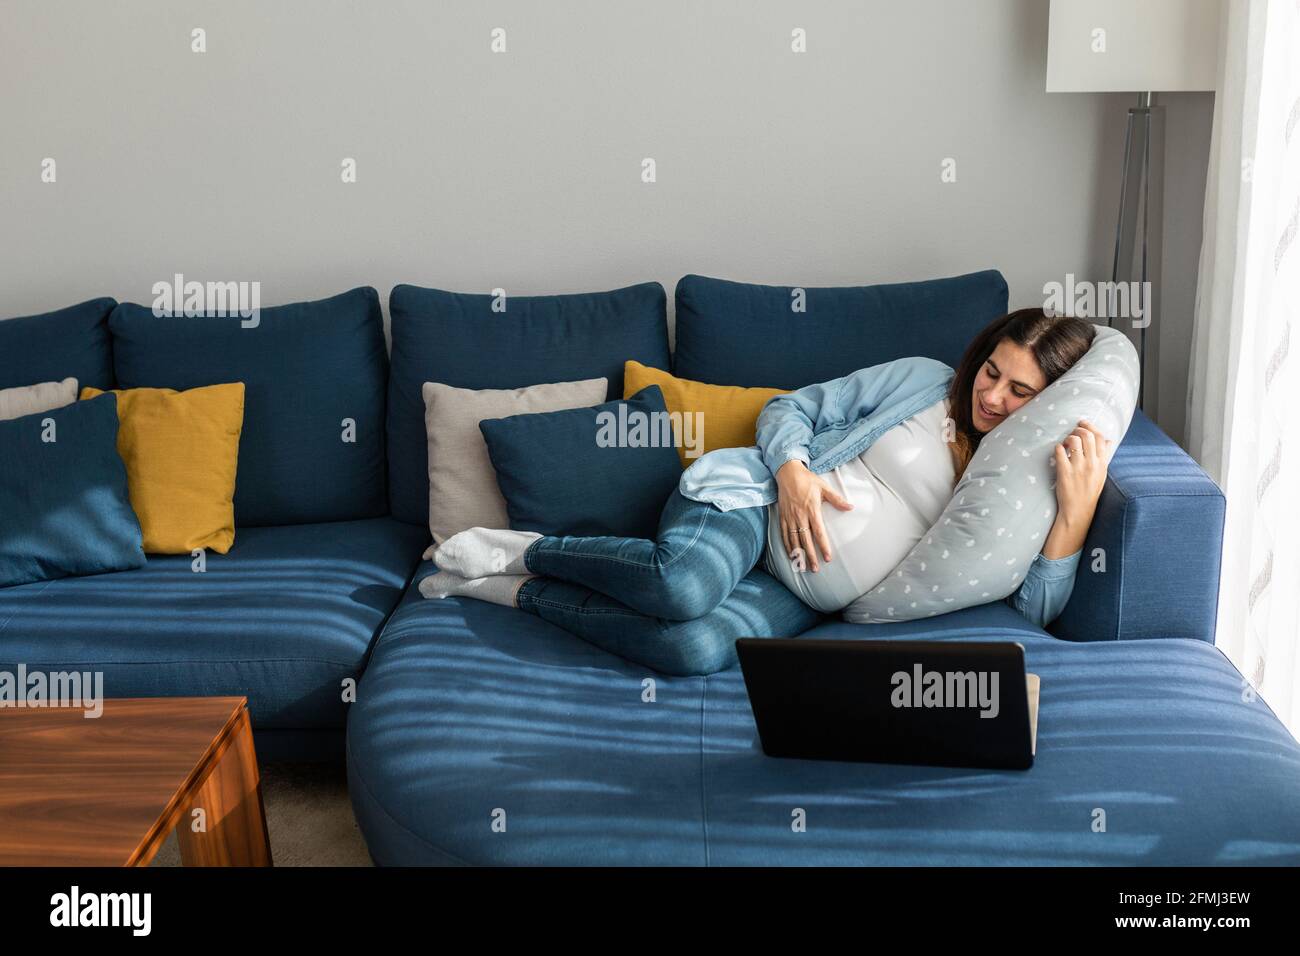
x: 1115, y: 46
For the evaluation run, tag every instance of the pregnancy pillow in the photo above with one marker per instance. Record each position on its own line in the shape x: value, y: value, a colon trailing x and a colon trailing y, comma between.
x: 1005, y: 503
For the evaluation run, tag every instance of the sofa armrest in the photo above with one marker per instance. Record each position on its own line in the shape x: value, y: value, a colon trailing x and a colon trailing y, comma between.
x: 1159, y: 530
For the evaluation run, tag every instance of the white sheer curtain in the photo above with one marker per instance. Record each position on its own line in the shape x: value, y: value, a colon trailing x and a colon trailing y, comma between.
x: 1243, y: 400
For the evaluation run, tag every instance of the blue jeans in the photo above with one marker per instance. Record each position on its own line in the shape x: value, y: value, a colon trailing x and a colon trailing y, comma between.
x: 677, y: 603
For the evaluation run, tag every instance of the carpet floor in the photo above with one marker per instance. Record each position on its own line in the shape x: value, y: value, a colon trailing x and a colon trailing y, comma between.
x: 308, y: 817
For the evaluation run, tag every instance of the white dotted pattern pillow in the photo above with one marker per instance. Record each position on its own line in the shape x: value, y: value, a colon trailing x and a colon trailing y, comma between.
x: 1005, y: 503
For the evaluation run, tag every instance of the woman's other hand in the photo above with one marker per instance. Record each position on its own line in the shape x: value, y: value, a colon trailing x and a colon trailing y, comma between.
x: 1081, y: 462
x: 799, y: 501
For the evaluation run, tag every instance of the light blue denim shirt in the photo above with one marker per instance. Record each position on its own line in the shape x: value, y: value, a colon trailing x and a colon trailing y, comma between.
x: 833, y: 422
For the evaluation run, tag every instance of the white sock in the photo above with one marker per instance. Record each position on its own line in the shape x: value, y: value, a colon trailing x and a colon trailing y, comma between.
x: 495, y: 588
x: 480, y: 552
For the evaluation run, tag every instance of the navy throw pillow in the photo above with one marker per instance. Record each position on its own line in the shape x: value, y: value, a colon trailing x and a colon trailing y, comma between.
x: 603, y: 470
x: 63, y: 495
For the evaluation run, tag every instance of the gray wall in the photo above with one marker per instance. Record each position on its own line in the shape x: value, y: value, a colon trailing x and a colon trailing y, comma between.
x: 1188, y: 119
x: 522, y: 169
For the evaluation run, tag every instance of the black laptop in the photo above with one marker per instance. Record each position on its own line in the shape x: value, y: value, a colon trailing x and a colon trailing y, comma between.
x: 943, y: 703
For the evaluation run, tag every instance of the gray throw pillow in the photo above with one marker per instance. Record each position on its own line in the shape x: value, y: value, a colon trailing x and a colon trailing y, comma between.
x: 463, y: 490
x: 1005, y: 502
x: 33, y: 399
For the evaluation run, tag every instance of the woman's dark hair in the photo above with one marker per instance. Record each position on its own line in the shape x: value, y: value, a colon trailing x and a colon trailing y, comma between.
x: 1057, y: 342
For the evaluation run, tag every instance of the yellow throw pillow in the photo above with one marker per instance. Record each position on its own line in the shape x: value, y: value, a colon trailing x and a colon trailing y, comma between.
x: 726, y: 413
x: 181, y: 450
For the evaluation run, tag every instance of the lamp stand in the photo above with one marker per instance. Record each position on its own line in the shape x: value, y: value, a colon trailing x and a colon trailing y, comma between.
x: 1138, y: 233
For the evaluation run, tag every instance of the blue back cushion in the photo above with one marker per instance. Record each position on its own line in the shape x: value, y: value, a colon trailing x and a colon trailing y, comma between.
x: 458, y: 340
x: 733, y: 333
x: 306, y: 368
x: 54, y: 345
x: 577, y: 471
x: 63, y: 496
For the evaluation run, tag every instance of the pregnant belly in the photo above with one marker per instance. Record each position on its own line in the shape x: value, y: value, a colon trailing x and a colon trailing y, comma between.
x: 866, y: 544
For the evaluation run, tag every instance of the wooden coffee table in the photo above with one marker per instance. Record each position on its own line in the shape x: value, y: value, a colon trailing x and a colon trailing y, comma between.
x: 106, y: 791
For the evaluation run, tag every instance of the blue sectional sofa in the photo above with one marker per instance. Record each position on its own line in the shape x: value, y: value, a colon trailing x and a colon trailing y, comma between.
x: 291, y: 611
x: 481, y: 734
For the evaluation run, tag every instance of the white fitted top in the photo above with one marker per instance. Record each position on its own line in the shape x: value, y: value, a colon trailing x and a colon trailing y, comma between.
x: 899, y: 487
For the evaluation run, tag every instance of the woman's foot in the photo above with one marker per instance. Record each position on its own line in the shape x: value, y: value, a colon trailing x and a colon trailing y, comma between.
x: 495, y: 589
x: 480, y: 552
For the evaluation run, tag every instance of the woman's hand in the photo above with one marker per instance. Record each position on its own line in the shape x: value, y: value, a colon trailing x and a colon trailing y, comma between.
x: 1081, y: 462
x: 799, y: 500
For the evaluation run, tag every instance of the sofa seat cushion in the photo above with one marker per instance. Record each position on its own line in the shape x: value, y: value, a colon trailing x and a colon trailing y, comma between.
x: 469, y: 710
x: 283, y: 618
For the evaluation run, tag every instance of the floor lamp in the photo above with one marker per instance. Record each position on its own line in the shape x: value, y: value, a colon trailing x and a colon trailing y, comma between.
x: 1116, y: 46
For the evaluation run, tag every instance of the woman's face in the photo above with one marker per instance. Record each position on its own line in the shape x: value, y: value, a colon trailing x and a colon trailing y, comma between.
x: 1007, y: 379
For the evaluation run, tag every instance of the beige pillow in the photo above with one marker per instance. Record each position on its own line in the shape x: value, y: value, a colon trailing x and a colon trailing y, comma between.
x: 463, y: 490
x: 33, y: 399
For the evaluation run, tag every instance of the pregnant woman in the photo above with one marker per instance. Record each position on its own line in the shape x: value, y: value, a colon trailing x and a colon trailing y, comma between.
x: 846, y: 478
